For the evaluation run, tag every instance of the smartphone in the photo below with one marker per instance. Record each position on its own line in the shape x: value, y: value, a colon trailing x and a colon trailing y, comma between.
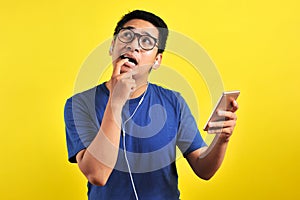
x: 224, y: 103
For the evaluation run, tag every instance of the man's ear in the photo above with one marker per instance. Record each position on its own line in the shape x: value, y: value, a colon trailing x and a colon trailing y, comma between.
x: 157, y: 61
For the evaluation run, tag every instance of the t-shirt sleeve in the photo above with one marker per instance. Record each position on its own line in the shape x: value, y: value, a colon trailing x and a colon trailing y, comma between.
x: 80, y: 126
x: 189, y: 138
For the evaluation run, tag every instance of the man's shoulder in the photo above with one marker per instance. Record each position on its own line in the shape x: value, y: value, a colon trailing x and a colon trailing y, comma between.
x: 87, y: 95
x: 89, y: 92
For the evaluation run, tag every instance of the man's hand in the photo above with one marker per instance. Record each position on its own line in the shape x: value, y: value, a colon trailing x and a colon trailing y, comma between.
x: 226, y: 127
x: 206, y: 161
x: 122, y: 84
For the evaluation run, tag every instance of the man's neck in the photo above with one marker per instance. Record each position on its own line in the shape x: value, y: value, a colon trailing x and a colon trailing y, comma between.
x: 139, y: 90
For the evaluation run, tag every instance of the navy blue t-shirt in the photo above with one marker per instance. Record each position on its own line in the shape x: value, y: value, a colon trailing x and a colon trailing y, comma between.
x: 161, y: 122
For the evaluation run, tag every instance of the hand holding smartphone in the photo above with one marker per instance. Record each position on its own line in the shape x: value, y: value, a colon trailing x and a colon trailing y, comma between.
x: 224, y: 103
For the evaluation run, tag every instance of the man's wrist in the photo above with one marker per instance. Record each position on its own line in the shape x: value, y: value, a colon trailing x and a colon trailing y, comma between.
x: 223, y: 138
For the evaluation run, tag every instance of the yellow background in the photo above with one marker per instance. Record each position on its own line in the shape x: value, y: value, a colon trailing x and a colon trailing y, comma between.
x: 255, y: 45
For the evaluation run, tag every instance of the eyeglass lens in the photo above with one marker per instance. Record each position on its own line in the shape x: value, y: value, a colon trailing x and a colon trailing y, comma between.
x: 145, y: 41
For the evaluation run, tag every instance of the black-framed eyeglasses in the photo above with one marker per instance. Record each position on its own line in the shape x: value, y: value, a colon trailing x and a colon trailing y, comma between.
x: 146, y: 42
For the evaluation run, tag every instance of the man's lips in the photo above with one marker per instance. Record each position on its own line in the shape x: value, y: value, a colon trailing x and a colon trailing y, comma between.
x: 129, y: 65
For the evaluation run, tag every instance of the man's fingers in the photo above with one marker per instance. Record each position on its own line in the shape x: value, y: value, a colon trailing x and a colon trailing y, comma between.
x: 235, y: 106
x: 227, y: 114
x: 221, y: 124
x: 227, y: 125
x: 117, y: 68
x: 227, y: 130
x: 126, y: 75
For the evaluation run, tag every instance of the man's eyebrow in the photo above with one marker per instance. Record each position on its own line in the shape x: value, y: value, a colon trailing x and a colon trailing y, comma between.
x: 143, y: 32
x: 129, y: 27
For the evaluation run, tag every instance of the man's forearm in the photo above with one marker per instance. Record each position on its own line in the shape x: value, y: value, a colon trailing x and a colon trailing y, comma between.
x: 209, y: 161
x: 98, y: 160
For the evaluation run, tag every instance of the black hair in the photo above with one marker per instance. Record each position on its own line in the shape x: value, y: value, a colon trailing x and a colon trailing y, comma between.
x: 149, y: 17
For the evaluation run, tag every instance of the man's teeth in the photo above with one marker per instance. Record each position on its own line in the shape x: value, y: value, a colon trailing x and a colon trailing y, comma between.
x: 131, y: 60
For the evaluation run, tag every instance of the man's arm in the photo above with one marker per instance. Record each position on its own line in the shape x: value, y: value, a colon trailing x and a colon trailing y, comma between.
x: 206, y: 161
x: 98, y: 160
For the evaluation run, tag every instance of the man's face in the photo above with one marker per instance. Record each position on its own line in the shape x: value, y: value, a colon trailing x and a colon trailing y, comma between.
x: 137, y: 41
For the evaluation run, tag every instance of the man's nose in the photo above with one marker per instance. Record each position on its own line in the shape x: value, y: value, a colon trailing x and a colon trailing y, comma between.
x: 134, y: 45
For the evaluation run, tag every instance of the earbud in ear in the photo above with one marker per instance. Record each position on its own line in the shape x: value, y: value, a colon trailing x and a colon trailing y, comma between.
x: 155, y: 65
x: 110, y: 50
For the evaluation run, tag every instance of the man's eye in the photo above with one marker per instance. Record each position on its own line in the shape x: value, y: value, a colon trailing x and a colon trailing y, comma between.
x: 127, y: 35
x: 147, y: 40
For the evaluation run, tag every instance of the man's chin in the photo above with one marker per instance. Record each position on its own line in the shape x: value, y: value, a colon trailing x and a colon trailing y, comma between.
x: 122, y: 71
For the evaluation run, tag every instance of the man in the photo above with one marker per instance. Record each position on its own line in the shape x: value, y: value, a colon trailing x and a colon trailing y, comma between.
x: 123, y: 133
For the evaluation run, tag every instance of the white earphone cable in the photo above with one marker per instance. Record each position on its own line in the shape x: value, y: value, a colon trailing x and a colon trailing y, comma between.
x: 124, y: 143
x: 129, y: 170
